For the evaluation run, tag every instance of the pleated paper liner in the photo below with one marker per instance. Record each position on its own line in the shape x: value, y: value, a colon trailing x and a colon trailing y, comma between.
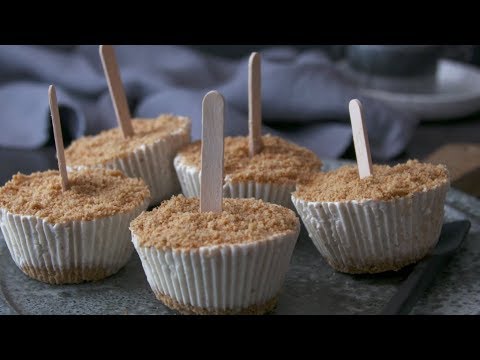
x: 73, y: 252
x: 280, y: 194
x: 154, y: 164
x: 375, y: 236
x: 226, y: 279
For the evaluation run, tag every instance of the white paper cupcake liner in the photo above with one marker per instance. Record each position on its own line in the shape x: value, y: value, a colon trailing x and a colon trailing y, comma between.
x: 280, y: 194
x: 154, y: 164
x: 72, y: 252
x: 375, y: 236
x: 189, y: 178
x: 218, y: 279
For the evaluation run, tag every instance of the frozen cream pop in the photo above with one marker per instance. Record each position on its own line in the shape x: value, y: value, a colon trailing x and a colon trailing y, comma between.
x: 211, y: 255
x: 142, y: 148
x: 263, y: 167
x: 64, y: 228
x: 373, y: 218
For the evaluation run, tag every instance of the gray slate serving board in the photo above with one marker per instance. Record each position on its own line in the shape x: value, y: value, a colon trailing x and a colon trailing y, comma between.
x: 311, y: 286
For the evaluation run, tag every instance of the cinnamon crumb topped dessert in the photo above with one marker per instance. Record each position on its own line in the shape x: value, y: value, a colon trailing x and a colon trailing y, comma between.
x: 71, y: 236
x: 270, y: 175
x: 148, y: 154
x: 383, y: 222
x: 231, y: 262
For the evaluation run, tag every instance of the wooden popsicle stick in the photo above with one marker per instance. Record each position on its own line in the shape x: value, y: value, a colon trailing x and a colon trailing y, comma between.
x: 57, y: 134
x: 117, y: 92
x: 360, y: 139
x: 255, y: 143
x: 211, y: 177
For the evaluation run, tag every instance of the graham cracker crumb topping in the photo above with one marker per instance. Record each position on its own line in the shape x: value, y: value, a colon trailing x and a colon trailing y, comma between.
x: 386, y: 183
x: 92, y: 194
x: 110, y: 144
x: 280, y: 161
x: 178, y: 223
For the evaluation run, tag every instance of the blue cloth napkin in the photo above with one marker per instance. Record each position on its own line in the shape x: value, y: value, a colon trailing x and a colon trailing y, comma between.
x: 304, y: 98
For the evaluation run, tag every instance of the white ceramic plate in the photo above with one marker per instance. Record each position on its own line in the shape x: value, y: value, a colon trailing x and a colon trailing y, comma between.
x: 456, y: 92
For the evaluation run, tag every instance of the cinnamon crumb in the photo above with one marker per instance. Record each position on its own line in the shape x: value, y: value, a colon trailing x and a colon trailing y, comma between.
x: 110, y: 144
x: 279, y: 161
x: 386, y: 183
x: 178, y: 223
x: 92, y: 194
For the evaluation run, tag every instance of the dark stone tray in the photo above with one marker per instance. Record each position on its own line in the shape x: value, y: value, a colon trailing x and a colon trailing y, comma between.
x: 311, y: 286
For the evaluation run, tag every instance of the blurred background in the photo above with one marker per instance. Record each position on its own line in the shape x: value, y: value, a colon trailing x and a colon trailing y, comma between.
x: 466, y: 53
x: 420, y: 101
